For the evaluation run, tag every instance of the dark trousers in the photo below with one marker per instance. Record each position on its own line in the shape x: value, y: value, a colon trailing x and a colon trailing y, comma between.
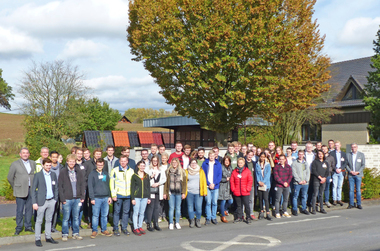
x: 279, y: 192
x: 263, y: 196
x: 310, y: 192
x: 21, y: 204
x: 153, y: 209
x: 56, y: 214
x: 121, y: 208
x: 240, y: 201
x: 318, y: 192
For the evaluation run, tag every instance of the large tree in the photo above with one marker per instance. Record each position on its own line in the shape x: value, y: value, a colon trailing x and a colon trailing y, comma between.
x: 372, y: 90
x: 5, y: 93
x: 221, y: 61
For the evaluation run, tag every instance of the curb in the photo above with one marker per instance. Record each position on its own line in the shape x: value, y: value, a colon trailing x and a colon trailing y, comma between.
x: 184, y: 222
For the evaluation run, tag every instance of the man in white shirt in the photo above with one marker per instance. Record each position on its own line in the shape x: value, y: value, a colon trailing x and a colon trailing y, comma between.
x: 355, y: 167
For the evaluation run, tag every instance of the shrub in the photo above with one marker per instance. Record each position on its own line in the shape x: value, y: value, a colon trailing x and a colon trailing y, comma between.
x: 37, y: 142
x: 371, y: 184
x: 6, y: 190
x: 9, y: 147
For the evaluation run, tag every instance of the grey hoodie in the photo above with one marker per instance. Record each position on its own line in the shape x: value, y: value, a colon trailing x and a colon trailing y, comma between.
x: 300, y: 172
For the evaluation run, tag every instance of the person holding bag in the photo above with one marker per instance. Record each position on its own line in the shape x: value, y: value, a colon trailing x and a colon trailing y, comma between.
x: 263, y: 173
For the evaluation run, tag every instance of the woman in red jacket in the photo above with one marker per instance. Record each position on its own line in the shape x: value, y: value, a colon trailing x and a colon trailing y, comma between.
x: 241, y: 184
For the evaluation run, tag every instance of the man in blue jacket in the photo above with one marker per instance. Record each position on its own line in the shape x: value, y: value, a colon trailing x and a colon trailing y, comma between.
x: 213, y: 171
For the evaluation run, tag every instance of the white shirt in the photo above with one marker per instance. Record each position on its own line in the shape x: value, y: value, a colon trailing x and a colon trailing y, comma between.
x: 27, y: 167
x: 186, y: 161
x: 354, y: 155
x: 210, y: 175
x: 309, y: 158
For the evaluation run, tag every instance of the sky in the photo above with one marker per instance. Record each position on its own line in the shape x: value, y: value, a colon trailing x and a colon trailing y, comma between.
x: 92, y: 35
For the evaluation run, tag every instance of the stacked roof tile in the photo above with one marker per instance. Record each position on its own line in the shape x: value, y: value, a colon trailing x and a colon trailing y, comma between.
x: 121, y: 138
x: 168, y: 139
x: 146, y: 139
x: 91, y: 139
x: 133, y: 139
x: 157, y: 138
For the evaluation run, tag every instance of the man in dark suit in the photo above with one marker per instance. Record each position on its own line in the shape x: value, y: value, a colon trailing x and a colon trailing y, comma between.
x: 20, y: 176
x: 338, y: 173
x: 44, y: 197
x: 355, y: 167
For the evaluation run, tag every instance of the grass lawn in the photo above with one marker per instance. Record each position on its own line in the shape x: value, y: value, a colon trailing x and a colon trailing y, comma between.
x: 5, y: 163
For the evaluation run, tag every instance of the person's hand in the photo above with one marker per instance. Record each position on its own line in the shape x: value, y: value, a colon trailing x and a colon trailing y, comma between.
x: 286, y: 184
x: 133, y: 202
x: 183, y: 196
x: 93, y: 202
x: 338, y: 171
x: 165, y: 196
x: 149, y: 201
x: 228, y: 178
x: 35, y: 207
x: 82, y: 201
x: 356, y: 173
x: 109, y: 200
x: 261, y: 183
x: 64, y: 202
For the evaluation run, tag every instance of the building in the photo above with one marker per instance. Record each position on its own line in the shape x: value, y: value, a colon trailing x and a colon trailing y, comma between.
x: 124, y: 120
x: 347, y: 81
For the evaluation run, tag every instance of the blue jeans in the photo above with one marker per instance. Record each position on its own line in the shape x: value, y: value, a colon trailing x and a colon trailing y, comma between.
x: 175, y: 203
x: 224, y: 205
x: 355, y: 180
x: 70, y: 208
x: 337, y: 186
x: 297, y: 189
x: 194, y: 200
x: 138, y: 212
x: 211, y: 203
x: 327, y: 189
x: 101, y: 208
x: 117, y: 206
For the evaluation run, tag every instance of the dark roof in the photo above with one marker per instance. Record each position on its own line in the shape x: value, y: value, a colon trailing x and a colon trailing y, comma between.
x: 341, y: 72
x: 342, y: 104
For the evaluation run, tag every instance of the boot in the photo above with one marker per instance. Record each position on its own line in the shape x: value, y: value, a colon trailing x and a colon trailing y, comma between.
x: 224, y: 219
x: 198, y: 223
x: 191, y: 223
x: 150, y: 227
x: 157, y: 227
x: 261, y: 215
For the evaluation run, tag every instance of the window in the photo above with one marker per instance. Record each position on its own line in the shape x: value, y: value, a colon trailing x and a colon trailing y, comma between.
x: 311, y: 132
x: 352, y: 93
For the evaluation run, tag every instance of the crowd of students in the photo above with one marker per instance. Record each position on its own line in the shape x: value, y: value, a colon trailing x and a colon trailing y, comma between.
x: 186, y: 183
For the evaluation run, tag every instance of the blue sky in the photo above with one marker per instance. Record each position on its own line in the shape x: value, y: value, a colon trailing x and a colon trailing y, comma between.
x: 91, y: 34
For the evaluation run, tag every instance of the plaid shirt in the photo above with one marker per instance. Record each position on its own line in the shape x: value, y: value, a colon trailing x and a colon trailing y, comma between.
x: 282, y: 175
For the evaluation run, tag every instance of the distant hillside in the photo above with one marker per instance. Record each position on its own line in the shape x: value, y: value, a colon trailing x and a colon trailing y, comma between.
x: 11, y: 127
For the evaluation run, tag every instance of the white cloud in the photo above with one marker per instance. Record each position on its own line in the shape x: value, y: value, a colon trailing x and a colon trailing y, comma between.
x: 359, y: 31
x: 81, y: 48
x: 71, y: 18
x: 15, y: 44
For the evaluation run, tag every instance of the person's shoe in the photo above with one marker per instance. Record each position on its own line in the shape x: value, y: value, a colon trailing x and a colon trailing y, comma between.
x: 78, y: 237
x: 226, y: 213
x: 38, y: 243
x: 52, y: 241
x: 313, y: 211
x: 350, y: 207
x: 305, y: 212
x: 150, y: 227
x: 198, y: 223
x: 287, y: 215
x: 328, y: 204
x: 294, y: 212
x: 171, y: 226
x: 17, y: 233
x: 214, y: 221
x: 177, y: 226
x: 64, y: 238
x: 237, y: 220
x: 141, y: 230
x: 29, y: 230
x: 253, y: 217
x: 269, y: 218
x: 53, y: 230
x: 334, y: 203
x: 340, y: 203
x: 116, y: 233
x: 125, y: 231
x: 191, y: 223
x: 207, y: 222
x: 157, y: 227
x: 93, y: 235
x: 223, y: 219
x: 323, y: 211
x: 261, y: 215
x: 106, y: 233
x: 278, y: 216
x: 359, y: 207
x: 136, y: 232
x: 248, y: 220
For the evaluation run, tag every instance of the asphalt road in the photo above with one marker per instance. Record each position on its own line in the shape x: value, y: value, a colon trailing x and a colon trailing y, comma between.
x: 338, y: 230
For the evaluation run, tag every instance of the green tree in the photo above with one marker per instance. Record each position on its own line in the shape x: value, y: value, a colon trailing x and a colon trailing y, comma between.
x: 137, y: 115
x: 223, y: 61
x: 5, y: 93
x: 372, y: 91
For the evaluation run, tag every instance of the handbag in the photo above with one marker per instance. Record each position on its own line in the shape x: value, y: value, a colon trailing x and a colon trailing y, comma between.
x: 153, y: 189
x: 263, y: 188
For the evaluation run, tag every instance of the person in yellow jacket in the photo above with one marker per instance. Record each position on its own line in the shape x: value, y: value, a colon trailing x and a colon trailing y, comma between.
x: 120, y: 186
x: 196, y: 190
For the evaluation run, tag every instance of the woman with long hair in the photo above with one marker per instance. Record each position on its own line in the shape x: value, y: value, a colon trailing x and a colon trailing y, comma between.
x: 263, y: 173
x: 225, y: 195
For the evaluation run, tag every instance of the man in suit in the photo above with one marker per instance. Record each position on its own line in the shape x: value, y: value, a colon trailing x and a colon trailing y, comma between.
x: 20, y: 176
x: 355, y: 167
x: 338, y: 173
x: 44, y: 197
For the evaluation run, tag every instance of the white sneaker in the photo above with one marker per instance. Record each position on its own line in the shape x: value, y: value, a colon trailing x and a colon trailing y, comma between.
x: 171, y: 226
x: 278, y: 216
x: 287, y: 215
x: 64, y: 238
x: 177, y: 226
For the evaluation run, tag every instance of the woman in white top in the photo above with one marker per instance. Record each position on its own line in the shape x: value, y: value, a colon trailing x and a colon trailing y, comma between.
x: 164, y: 207
x: 289, y: 158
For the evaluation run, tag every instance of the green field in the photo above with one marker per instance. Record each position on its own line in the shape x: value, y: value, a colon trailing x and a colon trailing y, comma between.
x: 5, y: 163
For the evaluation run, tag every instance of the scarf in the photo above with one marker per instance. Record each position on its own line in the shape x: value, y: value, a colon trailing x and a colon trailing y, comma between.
x: 194, y: 171
x: 240, y: 169
x: 72, y: 175
x: 175, y: 180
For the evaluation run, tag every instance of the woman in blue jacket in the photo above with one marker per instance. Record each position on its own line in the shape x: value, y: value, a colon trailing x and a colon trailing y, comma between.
x: 262, y: 171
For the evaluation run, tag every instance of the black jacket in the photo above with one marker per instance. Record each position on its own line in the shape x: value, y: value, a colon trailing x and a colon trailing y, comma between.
x: 39, y: 189
x: 319, y: 168
x: 140, y: 188
x: 64, y: 185
x: 98, y: 186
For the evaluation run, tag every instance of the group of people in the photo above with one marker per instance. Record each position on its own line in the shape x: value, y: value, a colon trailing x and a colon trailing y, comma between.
x: 182, y: 183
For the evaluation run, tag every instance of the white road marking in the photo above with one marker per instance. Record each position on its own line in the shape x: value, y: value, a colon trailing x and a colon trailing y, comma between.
x: 69, y: 248
x: 305, y: 220
x: 235, y: 241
